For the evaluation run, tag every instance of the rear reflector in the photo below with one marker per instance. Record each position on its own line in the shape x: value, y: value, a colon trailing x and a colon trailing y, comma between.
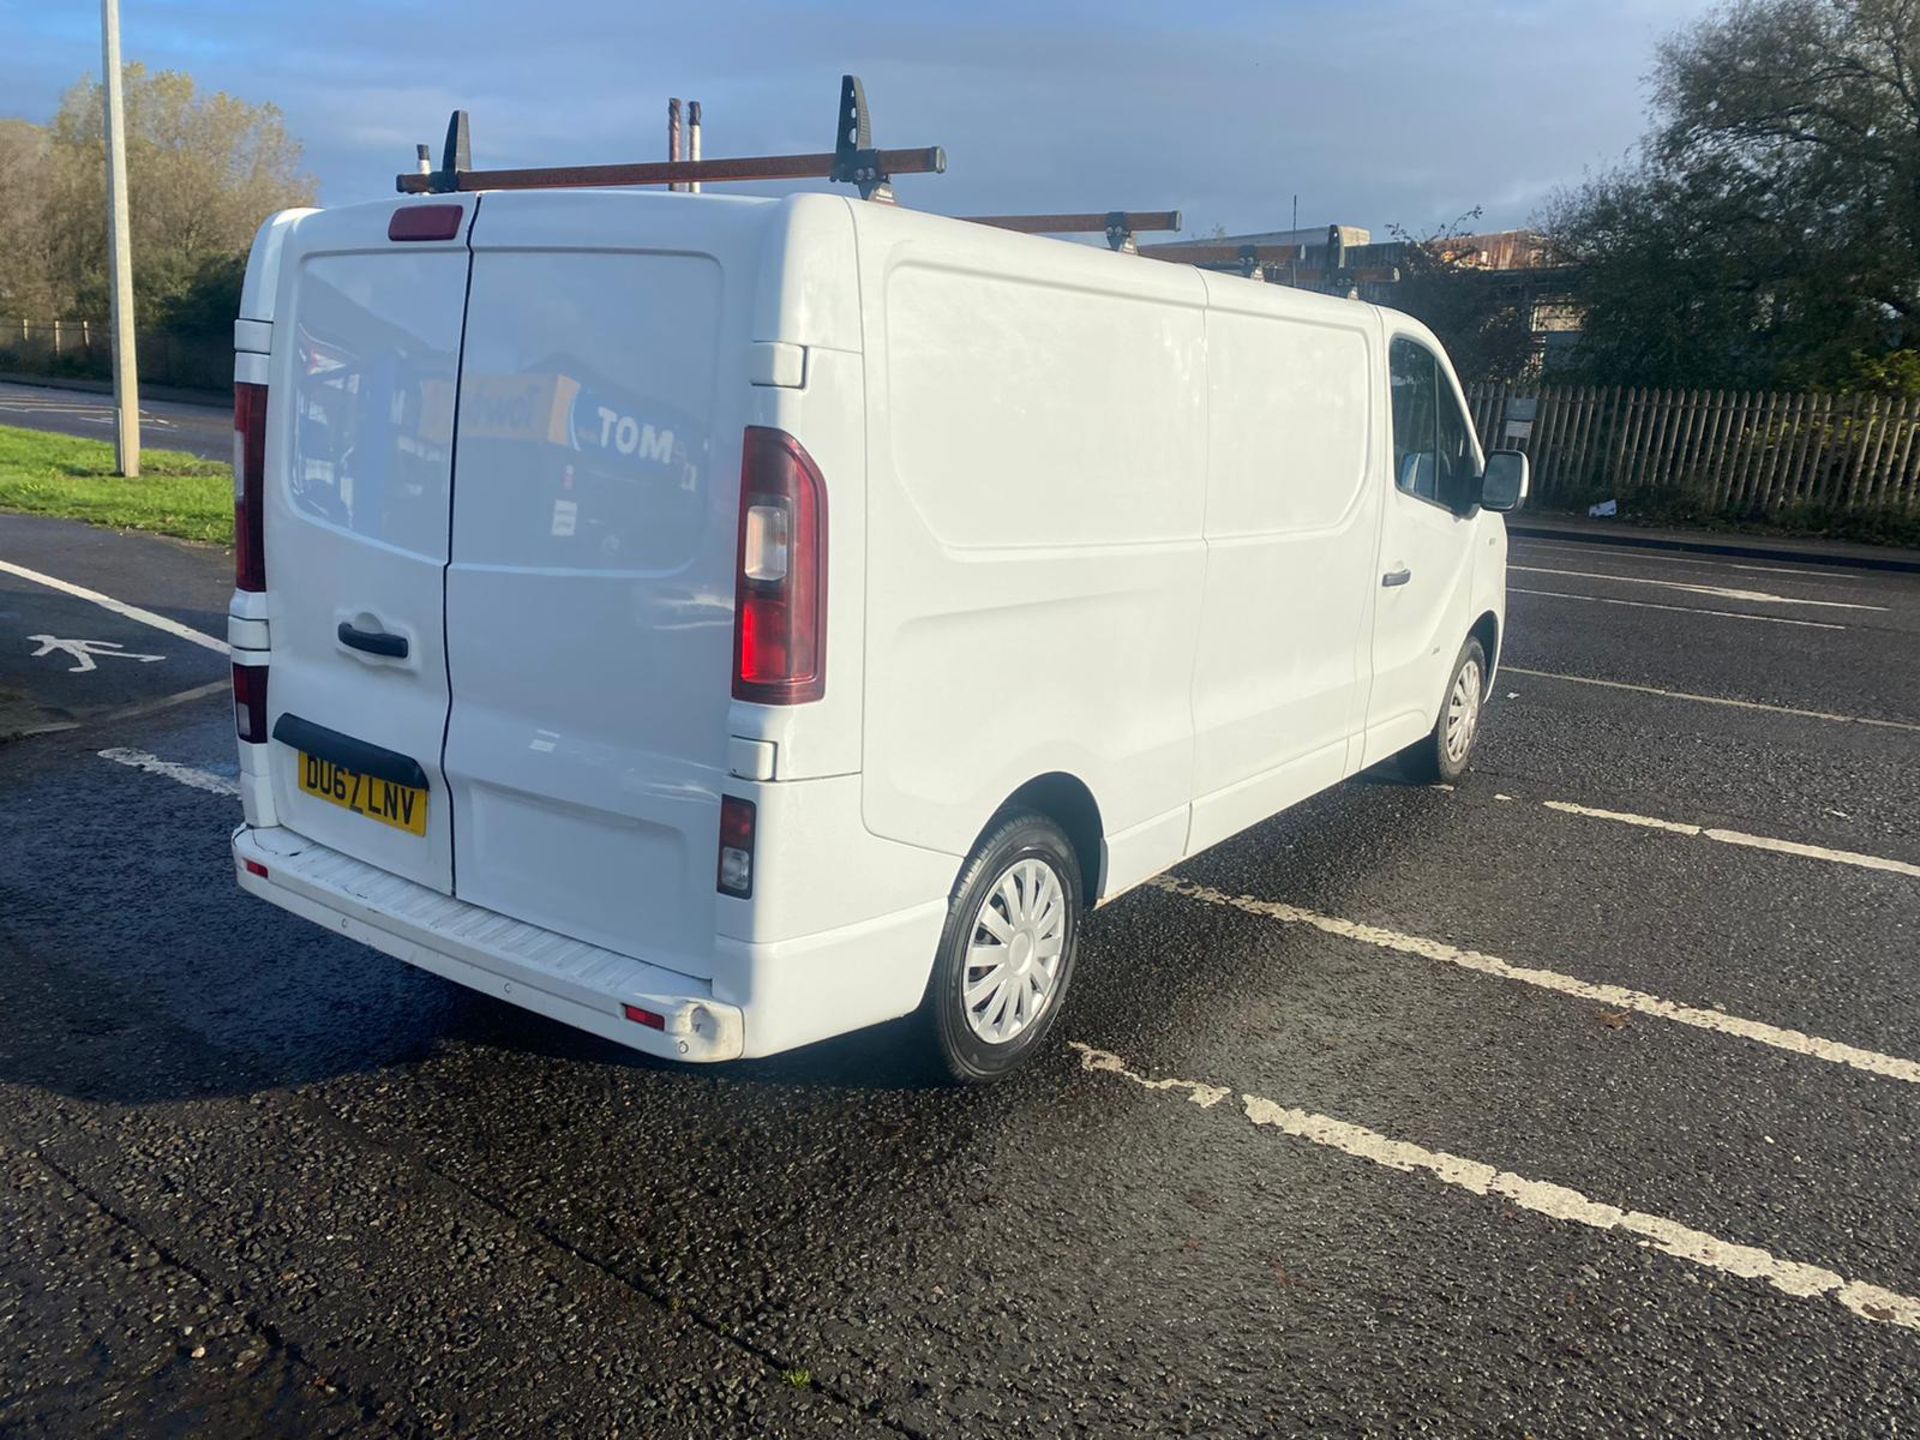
x: 644, y: 1017
x: 250, y: 703
x: 254, y: 867
x: 780, y: 585
x: 426, y: 222
x: 736, y: 847
x: 249, y: 486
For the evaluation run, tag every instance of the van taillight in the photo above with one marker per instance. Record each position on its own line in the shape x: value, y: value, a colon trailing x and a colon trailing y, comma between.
x: 736, y: 847
x: 780, y: 588
x: 249, y: 485
x: 250, y: 703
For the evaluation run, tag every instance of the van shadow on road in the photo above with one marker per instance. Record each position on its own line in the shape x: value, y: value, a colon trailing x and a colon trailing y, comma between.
x: 119, y: 914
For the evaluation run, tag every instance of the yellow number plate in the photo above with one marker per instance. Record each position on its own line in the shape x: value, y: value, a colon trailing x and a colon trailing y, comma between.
x: 402, y: 806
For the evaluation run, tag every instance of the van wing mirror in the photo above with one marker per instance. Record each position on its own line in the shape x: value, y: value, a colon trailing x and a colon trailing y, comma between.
x: 1505, y: 481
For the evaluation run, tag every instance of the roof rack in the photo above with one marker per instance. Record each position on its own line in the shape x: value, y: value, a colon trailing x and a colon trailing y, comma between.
x: 1118, y: 225
x: 853, y: 160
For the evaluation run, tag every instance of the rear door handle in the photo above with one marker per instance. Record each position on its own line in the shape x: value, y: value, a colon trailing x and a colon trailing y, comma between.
x: 373, y: 642
x: 1390, y: 579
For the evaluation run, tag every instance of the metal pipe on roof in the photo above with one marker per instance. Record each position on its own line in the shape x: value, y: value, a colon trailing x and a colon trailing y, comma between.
x: 673, y: 135
x: 693, y: 139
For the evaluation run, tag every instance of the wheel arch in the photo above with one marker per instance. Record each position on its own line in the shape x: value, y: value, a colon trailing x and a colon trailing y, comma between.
x: 1487, y: 631
x: 1066, y: 800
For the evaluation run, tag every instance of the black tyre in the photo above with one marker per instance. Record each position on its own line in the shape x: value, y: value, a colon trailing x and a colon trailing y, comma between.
x: 1444, y: 754
x: 1006, y: 954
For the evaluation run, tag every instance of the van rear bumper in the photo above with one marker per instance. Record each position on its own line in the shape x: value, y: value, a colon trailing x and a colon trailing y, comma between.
x: 564, y: 979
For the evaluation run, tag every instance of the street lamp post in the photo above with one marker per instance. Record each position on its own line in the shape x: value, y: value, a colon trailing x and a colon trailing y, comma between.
x: 126, y: 385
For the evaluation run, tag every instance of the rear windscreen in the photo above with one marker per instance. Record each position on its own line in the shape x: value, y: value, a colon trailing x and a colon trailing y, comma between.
x: 374, y: 355
x: 584, y: 429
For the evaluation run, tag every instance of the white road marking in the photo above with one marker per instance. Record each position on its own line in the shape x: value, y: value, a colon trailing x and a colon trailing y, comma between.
x: 1718, y: 592
x: 185, y: 774
x: 94, y: 412
x: 1683, y: 609
x: 1712, y: 699
x: 1542, y: 1197
x: 1615, y: 997
x: 1740, y: 837
x: 1698, y: 562
x: 83, y: 653
x: 118, y: 607
x: 1566, y: 807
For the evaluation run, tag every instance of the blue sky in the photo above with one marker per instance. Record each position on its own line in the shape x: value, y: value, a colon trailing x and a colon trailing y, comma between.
x: 1375, y: 111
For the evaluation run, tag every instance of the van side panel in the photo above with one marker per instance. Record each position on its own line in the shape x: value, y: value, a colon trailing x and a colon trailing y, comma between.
x: 1282, y: 660
x: 1036, y: 446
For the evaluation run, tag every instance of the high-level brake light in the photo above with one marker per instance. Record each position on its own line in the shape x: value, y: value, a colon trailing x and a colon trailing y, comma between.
x: 780, y: 587
x: 426, y: 222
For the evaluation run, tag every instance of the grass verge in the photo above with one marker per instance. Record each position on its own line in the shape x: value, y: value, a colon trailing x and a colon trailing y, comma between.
x: 73, y: 479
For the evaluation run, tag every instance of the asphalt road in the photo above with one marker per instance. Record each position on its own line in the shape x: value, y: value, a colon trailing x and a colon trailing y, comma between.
x: 1410, y: 1111
x: 203, y: 430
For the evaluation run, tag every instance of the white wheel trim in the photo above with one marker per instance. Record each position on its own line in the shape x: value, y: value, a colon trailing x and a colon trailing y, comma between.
x: 1463, y: 711
x: 1014, y: 951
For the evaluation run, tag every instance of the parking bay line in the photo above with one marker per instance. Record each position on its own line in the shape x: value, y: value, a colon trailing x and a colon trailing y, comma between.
x: 1739, y: 837
x: 1616, y: 997
x: 118, y: 607
x: 1699, y: 562
x: 1506, y: 669
x: 1711, y: 699
x: 1683, y: 609
x: 184, y: 774
x: 1555, y: 1202
x: 1718, y: 592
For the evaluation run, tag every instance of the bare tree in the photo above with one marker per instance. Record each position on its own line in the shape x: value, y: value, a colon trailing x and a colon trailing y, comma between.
x: 203, y: 172
x: 26, y: 245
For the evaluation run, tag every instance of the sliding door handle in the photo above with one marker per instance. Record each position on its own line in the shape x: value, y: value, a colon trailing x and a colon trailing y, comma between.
x: 1396, y: 577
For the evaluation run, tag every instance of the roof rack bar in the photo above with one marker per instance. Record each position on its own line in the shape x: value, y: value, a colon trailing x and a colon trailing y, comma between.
x: 1117, y: 225
x: 1277, y: 264
x: 932, y: 161
x: 1226, y: 254
x: 1088, y: 224
x: 853, y: 160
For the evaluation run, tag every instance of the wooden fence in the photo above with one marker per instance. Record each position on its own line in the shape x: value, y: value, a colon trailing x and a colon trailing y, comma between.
x: 58, y: 348
x: 1711, y: 450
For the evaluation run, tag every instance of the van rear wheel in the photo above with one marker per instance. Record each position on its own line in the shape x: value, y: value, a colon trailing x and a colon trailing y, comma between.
x: 1007, y: 951
x: 1442, y: 757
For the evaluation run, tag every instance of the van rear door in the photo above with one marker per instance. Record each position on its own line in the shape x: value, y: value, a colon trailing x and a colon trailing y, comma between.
x: 359, y: 464
x: 603, y: 397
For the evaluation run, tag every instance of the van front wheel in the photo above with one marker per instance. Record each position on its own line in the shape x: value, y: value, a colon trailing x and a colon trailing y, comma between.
x: 1443, y: 755
x: 1007, y: 951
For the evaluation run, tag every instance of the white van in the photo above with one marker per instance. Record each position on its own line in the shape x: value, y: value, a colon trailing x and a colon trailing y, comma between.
x: 721, y: 623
